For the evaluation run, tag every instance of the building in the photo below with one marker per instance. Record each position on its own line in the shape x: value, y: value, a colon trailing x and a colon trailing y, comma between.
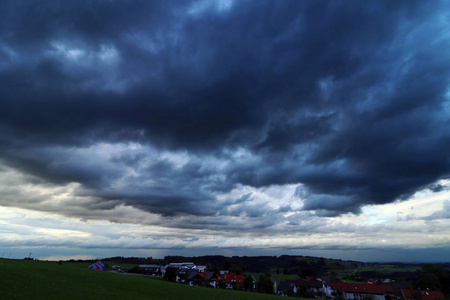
x: 422, y: 294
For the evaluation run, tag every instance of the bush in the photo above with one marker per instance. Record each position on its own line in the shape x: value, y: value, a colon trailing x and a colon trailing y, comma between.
x: 170, y: 274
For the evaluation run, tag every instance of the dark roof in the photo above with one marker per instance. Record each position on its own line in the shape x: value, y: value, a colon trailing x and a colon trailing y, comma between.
x: 398, y: 286
x: 290, y: 283
x: 150, y: 266
x: 182, y: 271
x: 309, y: 283
x: 287, y: 285
x: 191, y: 274
x: 363, y: 288
x: 210, y: 275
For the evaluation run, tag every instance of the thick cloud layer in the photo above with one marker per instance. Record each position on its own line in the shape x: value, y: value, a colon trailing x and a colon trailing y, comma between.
x: 176, y: 107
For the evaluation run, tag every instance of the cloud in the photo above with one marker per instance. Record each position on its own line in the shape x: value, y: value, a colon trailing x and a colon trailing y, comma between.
x: 283, y: 227
x: 443, y: 214
x: 173, y: 107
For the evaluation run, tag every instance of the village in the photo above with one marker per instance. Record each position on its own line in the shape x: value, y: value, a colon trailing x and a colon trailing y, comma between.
x: 191, y: 274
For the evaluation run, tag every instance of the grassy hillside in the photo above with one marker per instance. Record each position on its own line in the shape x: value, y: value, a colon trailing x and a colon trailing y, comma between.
x: 27, y: 279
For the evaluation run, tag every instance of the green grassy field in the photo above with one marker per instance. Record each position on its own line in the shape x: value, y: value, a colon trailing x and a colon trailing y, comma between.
x: 27, y: 279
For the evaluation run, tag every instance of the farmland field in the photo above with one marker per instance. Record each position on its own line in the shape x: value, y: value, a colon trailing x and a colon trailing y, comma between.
x: 388, y: 269
x: 27, y: 279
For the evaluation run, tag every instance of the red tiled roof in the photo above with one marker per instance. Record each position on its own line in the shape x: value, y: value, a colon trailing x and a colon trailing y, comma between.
x: 231, y: 278
x: 334, y: 285
x: 389, y: 289
x: 425, y: 295
x: 201, y: 275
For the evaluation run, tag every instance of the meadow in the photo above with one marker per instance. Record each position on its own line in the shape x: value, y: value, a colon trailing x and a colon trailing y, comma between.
x: 28, y: 279
x: 387, y: 269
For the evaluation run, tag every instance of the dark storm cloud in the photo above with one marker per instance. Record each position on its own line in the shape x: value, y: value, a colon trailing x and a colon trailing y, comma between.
x: 348, y: 99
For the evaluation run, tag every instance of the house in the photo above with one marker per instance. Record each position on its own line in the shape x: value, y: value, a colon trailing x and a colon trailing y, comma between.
x: 116, y: 268
x: 189, y: 277
x: 150, y: 268
x: 195, y: 278
x: 212, y: 278
x: 231, y: 279
x: 357, y: 291
x: 287, y: 287
x: 200, y: 268
x: 275, y: 285
x: 186, y: 265
x: 313, y: 287
x: 182, y: 273
x: 203, y: 278
x: 422, y: 294
x: 183, y: 265
x: 397, y: 288
x: 331, y: 289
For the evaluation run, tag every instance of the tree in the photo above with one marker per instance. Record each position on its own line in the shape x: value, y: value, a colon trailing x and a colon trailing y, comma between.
x: 303, y: 292
x: 339, y: 297
x: 170, y: 274
x: 434, y: 277
x: 416, y: 295
x: 216, y: 270
x: 307, y: 273
x: 236, y: 269
x: 226, y: 266
x: 221, y: 284
x: 265, y: 284
x: 248, y: 283
x: 368, y: 297
x: 334, y: 278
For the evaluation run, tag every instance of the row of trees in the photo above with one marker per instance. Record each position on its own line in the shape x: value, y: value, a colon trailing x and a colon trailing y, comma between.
x: 261, y: 264
x: 434, y: 277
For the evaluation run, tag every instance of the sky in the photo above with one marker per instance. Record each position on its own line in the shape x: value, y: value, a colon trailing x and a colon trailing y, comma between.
x: 153, y: 128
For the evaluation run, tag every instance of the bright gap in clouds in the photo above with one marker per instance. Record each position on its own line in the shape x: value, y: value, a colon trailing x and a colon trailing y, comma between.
x: 49, y: 233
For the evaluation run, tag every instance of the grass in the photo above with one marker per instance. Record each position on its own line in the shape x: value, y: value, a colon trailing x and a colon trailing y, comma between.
x: 27, y: 279
x: 279, y: 277
x: 351, y: 281
x: 282, y: 277
x: 123, y: 266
